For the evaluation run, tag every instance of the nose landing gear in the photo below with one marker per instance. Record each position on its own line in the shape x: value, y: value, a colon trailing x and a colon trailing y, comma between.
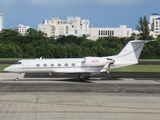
x: 17, y: 78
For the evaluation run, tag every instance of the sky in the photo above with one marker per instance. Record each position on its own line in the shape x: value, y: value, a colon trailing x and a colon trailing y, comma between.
x: 100, y: 13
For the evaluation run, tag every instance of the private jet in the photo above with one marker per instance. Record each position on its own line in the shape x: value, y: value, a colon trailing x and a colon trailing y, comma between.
x: 84, y: 67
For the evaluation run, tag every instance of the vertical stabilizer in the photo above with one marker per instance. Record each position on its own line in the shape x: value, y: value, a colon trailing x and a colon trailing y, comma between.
x: 132, y: 50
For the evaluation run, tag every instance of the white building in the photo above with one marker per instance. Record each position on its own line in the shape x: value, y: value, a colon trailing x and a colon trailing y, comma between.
x: 22, y: 29
x: 72, y: 26
x: 122, y: 31
x: 154, y: 24
x: 1, y: 21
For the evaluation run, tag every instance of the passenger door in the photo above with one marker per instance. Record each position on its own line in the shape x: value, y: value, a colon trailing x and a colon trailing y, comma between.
x: 25, y: 66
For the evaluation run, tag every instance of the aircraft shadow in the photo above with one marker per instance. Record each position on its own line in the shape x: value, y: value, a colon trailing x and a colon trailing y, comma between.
x: 73, y: 80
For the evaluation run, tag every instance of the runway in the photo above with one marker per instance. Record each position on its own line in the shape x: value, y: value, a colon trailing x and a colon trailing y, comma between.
x: 66, y: 98
x: 123, y: 85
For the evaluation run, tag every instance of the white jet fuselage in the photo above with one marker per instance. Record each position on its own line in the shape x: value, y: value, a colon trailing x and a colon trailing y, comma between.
x: 73, y: 65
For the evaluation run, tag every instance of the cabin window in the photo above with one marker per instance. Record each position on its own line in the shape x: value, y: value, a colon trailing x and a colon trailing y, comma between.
x: 45, y: 65
x: 59, y: 64
x: 73, y: 64
x: 52, y: 64
x: 66, y: 64
x: 38, y: 65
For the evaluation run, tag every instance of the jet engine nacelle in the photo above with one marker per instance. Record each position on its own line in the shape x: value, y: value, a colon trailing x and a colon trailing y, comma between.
x: 94, y: 61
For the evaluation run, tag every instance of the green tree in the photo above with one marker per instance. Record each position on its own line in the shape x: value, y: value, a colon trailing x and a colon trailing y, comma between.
x: 31, y: 32
x: 143, y: 28
x: 8, y: 35
x: 41, y: 34
x: 10, y: 50
x: 133, y: 36
x: 158, y: 38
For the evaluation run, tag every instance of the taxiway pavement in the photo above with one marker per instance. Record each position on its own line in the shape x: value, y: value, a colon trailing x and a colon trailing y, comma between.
x: 69, y: 99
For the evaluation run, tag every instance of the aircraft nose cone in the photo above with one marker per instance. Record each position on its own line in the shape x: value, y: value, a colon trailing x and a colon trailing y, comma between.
x: 6, y: 69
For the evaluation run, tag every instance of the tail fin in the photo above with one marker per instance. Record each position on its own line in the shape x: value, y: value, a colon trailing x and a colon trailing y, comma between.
x: 132, y: 50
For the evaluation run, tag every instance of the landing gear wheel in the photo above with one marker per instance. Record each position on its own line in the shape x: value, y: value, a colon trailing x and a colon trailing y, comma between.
x: 17, y: 79
x: 83, y: 79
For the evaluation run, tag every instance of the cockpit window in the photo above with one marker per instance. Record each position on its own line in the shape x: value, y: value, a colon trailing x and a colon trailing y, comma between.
x: 18, y: 63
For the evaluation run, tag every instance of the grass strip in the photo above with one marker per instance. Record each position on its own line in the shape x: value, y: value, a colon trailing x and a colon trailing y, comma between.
x: 2, y: 66
x: 138, y: 68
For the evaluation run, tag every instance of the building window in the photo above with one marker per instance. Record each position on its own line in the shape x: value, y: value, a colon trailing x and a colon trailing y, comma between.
x: 45, y: 65
x: 59, y: 64
x: 104, y: 32
x: 99, y: 32
x: 113, y: 33
x: 108, y: 32
x: 52, y: 64
x: 75, y: 31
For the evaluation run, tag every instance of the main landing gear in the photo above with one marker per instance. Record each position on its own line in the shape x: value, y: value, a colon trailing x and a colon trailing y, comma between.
x: 83, y: 77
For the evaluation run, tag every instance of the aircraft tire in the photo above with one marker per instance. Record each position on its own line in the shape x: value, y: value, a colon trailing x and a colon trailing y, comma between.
x: 17, y: 79
x: 83, y: 79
